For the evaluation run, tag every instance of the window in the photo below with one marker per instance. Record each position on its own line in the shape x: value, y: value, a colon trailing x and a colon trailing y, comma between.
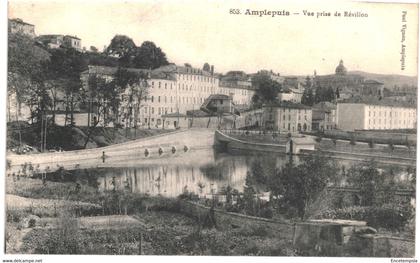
x: 159, y: 84
x: 153, y: 110
x: 158, y: 98
x: 152, y: 98
x: 165, y: 85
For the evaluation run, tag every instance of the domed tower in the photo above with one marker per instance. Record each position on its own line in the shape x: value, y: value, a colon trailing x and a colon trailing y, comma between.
x: 341, y: 69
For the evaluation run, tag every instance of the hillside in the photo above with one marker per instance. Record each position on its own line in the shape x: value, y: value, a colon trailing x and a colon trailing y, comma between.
x: 389, y: 80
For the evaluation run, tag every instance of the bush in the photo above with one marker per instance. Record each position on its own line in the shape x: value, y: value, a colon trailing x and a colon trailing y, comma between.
x: 266, y: 212
x: 386, y: 216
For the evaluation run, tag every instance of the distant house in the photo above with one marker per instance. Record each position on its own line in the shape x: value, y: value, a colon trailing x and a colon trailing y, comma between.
x: 57, y: 41
x: 324, y: 116
x: 218, y: 104
x: 295, y: 144
x: 51, y: 41
x: 287, y: 117
x: 291, y: 94
x: 17, y: 25
x: 373, y: 88
x: 72, y: 42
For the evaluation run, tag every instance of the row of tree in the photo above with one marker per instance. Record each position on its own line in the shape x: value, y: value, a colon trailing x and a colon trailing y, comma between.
x: 49, y: 80
x: 313, y: 95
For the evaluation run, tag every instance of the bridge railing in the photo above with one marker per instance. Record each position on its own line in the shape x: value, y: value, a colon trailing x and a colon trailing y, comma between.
x: 253, y: 132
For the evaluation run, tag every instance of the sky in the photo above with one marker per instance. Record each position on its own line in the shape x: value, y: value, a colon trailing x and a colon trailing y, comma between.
x: 202, y: 31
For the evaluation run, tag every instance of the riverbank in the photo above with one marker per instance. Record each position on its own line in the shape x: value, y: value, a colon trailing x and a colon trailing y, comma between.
x: 76, y: 137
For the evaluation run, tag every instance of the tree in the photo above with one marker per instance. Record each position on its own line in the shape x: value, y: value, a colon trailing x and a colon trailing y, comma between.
x: 249, y: 195
x: 302, y: 185
x: 206, y: 67
x: 324, y: 94
x: 25, y: 75
x: 135, y: 89
x: 366, y: 177
x: 307, y: 97
x: 103, y: 96
x: 266, y: 88
x: 149, y: 56
x: 121, y: 46
x: 64, y: 70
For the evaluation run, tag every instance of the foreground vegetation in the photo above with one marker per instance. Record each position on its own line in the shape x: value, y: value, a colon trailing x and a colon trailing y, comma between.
x: 298, y: 192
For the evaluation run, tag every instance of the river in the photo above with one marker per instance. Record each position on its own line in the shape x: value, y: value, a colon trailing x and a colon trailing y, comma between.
x: 204, y: 172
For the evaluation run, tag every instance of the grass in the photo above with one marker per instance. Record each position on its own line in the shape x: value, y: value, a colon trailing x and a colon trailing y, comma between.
x: 166, y: 234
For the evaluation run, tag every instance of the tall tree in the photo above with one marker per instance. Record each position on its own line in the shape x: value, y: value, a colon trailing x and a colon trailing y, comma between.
x: 149, y: 56
x: 135, y: 89
x: 206, y: 67
x: 64, y: 69
x: 24, y: 76
x: 121, y: 46
x: 266, y: 88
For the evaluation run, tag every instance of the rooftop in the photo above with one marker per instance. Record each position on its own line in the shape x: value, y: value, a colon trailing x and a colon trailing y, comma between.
x: 325, y: 105
x: 72, y: 37
x: 287, y: 104
x: 20, y: 21
x: 105, y: 70
x: 375, y: 101
x: 172, y: 68
x: 372, y: 81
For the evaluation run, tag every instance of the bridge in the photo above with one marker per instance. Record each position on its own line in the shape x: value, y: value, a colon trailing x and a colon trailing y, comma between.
x: 167, y: 148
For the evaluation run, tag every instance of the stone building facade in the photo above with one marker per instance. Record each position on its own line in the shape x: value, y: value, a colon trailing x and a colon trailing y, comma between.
x: 287, y: 117
x: 375, y: 116
x: 17, y: 25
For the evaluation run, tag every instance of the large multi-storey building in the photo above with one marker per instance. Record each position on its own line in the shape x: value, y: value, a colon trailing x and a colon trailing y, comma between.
x: 237, y: 85
x: 375, y: 116
x: 287, y: 117
x: 177, y: 90
x: 18, y: 26
x: 171, y: 89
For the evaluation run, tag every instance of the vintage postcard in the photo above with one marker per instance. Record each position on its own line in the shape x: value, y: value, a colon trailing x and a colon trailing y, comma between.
x: 234, y: 128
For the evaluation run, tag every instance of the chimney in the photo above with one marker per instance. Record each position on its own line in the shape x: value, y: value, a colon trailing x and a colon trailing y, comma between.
x: 212, y: 69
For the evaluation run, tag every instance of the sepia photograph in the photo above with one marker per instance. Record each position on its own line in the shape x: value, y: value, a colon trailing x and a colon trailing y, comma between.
x: 210, y: 128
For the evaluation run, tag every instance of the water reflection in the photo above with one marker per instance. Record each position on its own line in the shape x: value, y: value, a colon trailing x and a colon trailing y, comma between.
x: 202, y: 172
x: 171, y: 180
